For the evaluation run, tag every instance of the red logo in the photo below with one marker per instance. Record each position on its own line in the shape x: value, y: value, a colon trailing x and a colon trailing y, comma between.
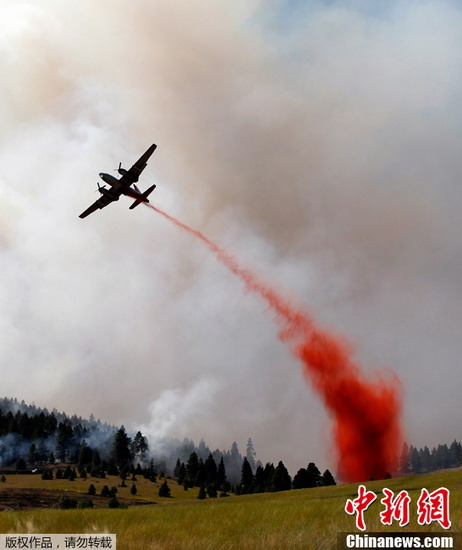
x: 359, y: 505
x: 431, y: 507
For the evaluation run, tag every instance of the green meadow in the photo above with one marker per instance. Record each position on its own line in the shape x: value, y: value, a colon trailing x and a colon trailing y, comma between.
x: 307, y: 518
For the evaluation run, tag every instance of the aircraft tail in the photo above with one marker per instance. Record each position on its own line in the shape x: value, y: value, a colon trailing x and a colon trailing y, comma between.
x: 143, y: 197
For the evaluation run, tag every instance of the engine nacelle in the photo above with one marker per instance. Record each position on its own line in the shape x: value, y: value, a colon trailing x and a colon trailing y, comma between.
x: 123, y: 172
x: 106, y: 192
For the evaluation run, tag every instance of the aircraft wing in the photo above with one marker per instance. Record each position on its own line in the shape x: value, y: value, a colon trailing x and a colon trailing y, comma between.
x: 133, y: 174
x: 100, y: 203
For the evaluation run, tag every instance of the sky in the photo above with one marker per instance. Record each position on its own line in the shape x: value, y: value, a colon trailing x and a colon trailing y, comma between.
x: 319, y: 142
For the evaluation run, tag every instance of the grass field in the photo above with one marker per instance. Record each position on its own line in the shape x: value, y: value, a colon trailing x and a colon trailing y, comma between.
x: 309, y: 518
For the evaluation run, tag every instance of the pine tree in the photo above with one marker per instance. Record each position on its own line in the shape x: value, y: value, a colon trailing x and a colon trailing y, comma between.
x: 327, y: 479
x: 192, y: 469
x: 133, y: 490
x: 281, y: 480
x: 314, y: 475
x: 221, y: 473
x: 268, y: 475
x: 85, y: 454
x: 260, y: 480
x: 202, y: 494
x: 121, y: 447
x: 246, y: 477
x: 140, y: 445
x: 211, y: 472
x: 164, y: 490
x: 250, y: 454
x: 301, y: 479
x: 176, y: 470
x: 404, y: 459
x: 415, y: 462
x: 33, y: 455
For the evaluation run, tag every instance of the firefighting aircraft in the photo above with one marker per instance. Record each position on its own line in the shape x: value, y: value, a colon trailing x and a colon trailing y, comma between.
x: 123, y: 185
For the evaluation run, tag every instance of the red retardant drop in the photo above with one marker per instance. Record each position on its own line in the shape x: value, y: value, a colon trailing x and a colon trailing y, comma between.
x: 366, y: 414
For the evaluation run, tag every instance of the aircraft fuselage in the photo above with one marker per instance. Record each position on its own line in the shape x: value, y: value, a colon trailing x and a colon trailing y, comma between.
x: 110, y: 180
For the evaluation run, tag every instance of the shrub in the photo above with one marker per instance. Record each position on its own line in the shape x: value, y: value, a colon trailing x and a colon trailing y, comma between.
x: 114, y: 503
x: 66, y: 503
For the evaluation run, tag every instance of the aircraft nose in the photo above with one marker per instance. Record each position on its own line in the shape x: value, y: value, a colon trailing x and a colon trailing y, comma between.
x: 101, y: 174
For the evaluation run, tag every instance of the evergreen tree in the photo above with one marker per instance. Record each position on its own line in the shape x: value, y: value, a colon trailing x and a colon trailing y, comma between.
x: 202, y: 494
x: 268, y: 475
x: 455, y: 454
x: 21, y: 464
x: 246, y: 478
x: 314, y: 475
x: 182, y: 474
x: 415, y: 462
x: 260, y: 479
x: 221, y: 473
x: 133, y: 490
x: 250, y: 455
x: 42, y: 452
x: 192, y: 469
x: 327, y: 479
x: 211, y: 471
x: 164, y: 490
x: 281, y: 480
x: 425, y: 459
x: 301, y: 479
x: 121, y: 447
x: 67, y: 503
x: 33, y: 455
x: 404, y: 459
x: 63, y: 440
x: 113, y: 503
x: 91, y: 490
x: 85, y: 457
x: 176, y: 470
x: 201, y: 473
x: 140, y: 445
x: 112, y: 469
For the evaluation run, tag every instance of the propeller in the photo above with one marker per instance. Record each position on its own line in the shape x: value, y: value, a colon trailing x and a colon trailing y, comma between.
x: 99, y: 188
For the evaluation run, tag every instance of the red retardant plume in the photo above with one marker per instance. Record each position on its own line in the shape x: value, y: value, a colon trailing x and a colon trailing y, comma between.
x: 366, y: 414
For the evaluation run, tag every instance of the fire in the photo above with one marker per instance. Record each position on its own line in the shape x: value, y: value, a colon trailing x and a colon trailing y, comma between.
x: 366, y: 414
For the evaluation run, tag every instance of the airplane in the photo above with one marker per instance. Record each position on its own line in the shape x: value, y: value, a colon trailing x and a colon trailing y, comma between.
x: 123, y: 185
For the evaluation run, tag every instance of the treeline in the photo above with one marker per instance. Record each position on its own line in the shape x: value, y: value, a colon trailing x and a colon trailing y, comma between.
x: 212, y: 479
x: 32, y: 437
x: 38, y: 436
x: 420, y: 461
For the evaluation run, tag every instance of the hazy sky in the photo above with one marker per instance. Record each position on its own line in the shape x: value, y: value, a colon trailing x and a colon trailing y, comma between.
x: 318, y: 141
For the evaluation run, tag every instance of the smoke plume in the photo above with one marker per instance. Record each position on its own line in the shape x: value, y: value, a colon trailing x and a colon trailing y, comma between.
x: 366, y: 415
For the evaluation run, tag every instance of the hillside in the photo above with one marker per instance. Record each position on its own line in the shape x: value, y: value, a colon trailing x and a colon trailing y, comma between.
x: 307, y: 518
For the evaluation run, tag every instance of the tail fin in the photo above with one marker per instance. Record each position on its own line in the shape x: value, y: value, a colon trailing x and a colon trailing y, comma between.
x: 143, y: 198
